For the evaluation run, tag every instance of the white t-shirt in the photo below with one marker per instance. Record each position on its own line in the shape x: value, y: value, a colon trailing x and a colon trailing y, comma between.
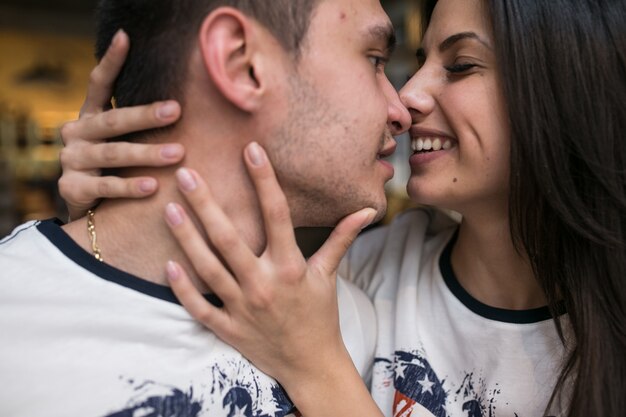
x: 81, y: 338
x: 440, y: 352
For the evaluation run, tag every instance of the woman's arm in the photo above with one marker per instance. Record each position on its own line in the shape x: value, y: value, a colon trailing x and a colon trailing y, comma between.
x: 87, y: 152
x: 280, y: 310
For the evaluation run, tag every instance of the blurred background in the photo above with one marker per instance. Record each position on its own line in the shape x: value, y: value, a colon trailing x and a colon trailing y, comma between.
x: 46, y: 55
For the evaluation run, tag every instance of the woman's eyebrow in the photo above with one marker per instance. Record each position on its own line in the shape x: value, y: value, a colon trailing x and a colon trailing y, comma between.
x: 451, y: 40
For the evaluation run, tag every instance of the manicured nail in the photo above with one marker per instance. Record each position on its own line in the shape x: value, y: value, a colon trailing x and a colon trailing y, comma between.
x: 174, y: 215
x: 256, y: 154
x: 371, y: 215
x: 171, y: 151
x: 167, y: 110
x: 173, y: 273
x: 186, y: 180
x: 147, y: 185
x: 117, y: 37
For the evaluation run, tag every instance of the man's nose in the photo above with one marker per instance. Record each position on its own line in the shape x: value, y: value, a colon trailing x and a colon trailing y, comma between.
x: 398, y: 117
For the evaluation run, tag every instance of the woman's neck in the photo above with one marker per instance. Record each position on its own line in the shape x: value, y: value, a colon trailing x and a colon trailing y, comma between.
x: 489, y: 267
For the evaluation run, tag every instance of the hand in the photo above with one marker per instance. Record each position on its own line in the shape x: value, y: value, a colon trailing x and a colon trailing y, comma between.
x: 87, y: 152
x: 280, y: 311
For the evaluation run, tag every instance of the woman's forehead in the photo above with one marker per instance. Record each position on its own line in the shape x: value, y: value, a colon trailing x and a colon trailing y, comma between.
x: 456, y: 16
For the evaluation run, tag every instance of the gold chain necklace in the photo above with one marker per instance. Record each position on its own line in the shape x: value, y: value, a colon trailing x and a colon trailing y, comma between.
x: 91, y: 229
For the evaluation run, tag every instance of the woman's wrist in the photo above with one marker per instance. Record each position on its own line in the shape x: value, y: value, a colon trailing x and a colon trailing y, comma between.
x: 333, y: 387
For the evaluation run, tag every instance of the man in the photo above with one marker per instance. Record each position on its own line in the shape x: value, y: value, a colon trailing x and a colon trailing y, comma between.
x: 305, y: 80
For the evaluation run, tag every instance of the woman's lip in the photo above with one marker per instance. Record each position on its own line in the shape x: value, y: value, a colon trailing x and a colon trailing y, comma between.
x: 416, y: 132
x: 420, y: 158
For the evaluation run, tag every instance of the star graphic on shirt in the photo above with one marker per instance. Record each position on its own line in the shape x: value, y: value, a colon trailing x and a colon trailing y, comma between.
x: 240, y: 412
x: 400, y: 368
x: 426, y: 385
x: 417, y: 361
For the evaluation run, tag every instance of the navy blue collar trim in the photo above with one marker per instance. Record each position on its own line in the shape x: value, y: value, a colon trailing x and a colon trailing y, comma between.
x: 51, y: 229
x: 534, y: 315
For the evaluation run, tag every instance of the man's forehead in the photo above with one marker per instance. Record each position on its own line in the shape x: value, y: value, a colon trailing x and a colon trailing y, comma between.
x: 366, y: 18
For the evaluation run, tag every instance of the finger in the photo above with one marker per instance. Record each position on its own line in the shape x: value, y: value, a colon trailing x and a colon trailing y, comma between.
x: 102, y: 77
x: 215, y: 318
x: 120, y: 154
x: 118, y: 122
x: 276, y: 215
x: 217, y: 225
x: 204, y: 261
x: 327, y: 258
x: 84, y: 192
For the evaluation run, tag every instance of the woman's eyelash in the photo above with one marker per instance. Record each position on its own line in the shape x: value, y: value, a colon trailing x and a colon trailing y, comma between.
x: 459, y: 68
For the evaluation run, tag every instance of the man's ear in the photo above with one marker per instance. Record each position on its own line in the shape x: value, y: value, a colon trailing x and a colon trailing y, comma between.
x: 228, y: 58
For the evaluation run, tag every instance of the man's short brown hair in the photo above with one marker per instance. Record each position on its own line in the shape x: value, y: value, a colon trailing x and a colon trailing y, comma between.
x: 162, y: 33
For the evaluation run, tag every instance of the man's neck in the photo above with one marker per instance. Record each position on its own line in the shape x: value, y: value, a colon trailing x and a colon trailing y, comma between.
x: 134, y: 237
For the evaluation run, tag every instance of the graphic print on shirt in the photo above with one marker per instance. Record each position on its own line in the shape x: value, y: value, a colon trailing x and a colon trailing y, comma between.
x: 472, y: 401
x: 418, y: 389
x: 231, y: 389
x: 151, y: 399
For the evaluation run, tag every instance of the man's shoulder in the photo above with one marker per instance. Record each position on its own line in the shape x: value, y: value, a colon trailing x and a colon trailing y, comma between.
x: 20, y: 232
x: 27, y: 254
x: 32, y: 239
x: 22, y: 245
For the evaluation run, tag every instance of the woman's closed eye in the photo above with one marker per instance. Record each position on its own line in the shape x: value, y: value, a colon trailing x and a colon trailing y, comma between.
x: 460, y: 68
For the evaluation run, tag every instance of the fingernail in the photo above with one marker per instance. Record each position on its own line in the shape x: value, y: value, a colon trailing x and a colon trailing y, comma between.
x: 116, y: 37
x: 167, y: 110
x: 171, y: 151
x: 256, y: 154
x: 186, y: 180
x: 173, y: 273
x: 147, y: 186
x: 173, y: 214
x: 369, y: 218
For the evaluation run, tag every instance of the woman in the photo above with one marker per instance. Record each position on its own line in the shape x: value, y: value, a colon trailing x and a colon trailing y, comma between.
x: 517, y: 121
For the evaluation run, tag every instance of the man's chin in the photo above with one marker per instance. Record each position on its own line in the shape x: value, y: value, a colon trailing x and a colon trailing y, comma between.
x: 331, y: 212
x: 380, y: 214
x: 379, y: 206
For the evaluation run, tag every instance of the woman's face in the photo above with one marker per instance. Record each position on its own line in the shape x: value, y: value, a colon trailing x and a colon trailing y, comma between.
x: 459, y: 131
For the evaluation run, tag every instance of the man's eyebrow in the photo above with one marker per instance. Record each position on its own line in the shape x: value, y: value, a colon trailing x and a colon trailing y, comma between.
x: 451, y: 40
x: 383, y: 33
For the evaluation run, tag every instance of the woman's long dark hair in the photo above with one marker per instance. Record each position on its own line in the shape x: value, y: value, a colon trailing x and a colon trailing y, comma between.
x: 563, y: 69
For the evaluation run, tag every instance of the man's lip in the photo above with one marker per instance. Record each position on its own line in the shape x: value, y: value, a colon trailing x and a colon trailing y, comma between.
x: 389, y: 166
x: 388, y: 150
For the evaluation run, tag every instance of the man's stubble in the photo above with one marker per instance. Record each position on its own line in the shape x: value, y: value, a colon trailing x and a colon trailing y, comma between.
x: 315, y: 153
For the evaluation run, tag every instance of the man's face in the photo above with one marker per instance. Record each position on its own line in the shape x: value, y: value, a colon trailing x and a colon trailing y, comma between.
x: 342, y: 113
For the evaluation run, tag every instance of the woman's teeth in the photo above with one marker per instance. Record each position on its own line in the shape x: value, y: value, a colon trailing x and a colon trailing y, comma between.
x: 430, y: 144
